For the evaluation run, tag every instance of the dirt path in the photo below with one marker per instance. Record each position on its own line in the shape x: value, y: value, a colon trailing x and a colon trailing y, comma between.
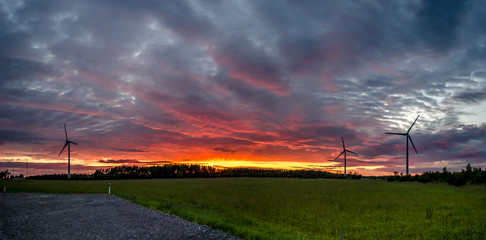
x: 91, y: 216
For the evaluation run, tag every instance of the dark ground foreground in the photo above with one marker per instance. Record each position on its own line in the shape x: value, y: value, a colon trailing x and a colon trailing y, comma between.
x: 91, y: 216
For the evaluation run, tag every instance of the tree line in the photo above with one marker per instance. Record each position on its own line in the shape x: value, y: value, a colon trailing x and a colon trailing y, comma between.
x: 5, y: 174
x: 472, y: 175
x: 190, y: 171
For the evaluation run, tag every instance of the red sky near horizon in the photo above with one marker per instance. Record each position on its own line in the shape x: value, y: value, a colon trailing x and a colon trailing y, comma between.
x: 242, y: 84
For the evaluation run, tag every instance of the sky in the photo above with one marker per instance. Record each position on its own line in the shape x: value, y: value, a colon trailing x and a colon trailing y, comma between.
x: 264, y: 84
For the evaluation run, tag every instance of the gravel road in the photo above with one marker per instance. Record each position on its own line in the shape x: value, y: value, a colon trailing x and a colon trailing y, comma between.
x: 91, y: 216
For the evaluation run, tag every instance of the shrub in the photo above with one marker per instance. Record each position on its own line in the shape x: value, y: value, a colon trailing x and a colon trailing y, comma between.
x: 457, y: 179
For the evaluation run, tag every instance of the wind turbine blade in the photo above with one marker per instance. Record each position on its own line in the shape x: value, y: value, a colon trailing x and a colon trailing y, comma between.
x: 63, y: 148
x: 403, y: 134
x: 342, y: 139
x: 413, y: 123
x: 412, y: 144
x: 339, y: 155
x: 73, y: 142
x: 65, y: 131
x: 351, y: 152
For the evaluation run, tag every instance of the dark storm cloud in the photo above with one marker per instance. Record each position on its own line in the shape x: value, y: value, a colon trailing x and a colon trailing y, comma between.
x: 128, y: 150
x: 452, y: 139
x: 19, y: 77
x: 226, y: 150
x: 269, y: 78
x: 249, y: 64
x: 439, y: 20
x: 39, y: 167
x: 18, y: 136
x: 131, y: 161
x: 13, y: 69
x: 184, y: 19
x: 259, y: 99
x: 462, y: 146
x: 319, y: 135
x: 257, y: 137
x: 13, y: 42
x: 470, y: 96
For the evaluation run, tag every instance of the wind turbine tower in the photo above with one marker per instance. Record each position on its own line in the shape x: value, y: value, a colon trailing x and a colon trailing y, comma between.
x: 407, y: 138
x: 344, y: 152
x: 68, y: 144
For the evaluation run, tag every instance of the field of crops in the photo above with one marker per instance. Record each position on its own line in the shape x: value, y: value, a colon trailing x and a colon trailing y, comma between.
x: 290, y: 208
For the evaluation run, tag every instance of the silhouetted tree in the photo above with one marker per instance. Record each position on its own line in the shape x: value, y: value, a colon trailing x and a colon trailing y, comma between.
x: 469, y: 175
x: 4, y: 174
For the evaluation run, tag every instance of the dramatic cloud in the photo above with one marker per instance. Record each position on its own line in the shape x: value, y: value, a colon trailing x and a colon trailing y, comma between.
x: 130, y: 161
x: 14, y: 136
x: 224, y: 150
x: 128, y: 150
x: 471, y: 96
x: 242, y: 83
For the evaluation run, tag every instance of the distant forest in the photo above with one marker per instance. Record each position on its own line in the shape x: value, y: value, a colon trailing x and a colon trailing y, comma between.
x: 191, y: 171
x: 470, y: 175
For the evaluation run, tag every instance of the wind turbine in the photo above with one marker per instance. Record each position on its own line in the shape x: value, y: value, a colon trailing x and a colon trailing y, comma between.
x: 344, y: 152
x: 407, y: 137
x: 68, y: 144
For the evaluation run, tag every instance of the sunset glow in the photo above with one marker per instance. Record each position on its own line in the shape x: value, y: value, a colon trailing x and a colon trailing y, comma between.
x: 261, y: 84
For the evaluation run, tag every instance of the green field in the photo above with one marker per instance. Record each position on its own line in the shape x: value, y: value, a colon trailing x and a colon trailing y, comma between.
x: 290, y: 208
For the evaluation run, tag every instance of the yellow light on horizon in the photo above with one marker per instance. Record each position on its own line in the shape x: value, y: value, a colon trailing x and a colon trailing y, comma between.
x: 235, y: 163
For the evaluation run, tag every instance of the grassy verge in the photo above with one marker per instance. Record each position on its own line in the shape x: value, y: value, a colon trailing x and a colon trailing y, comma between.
x: 289, y: 208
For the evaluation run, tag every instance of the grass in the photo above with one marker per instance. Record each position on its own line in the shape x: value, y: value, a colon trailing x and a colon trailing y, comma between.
x: 289, y: 208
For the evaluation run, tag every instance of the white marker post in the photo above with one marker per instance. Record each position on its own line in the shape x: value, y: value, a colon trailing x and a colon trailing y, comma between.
x: 109, y: 188
x: 4, y: 189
